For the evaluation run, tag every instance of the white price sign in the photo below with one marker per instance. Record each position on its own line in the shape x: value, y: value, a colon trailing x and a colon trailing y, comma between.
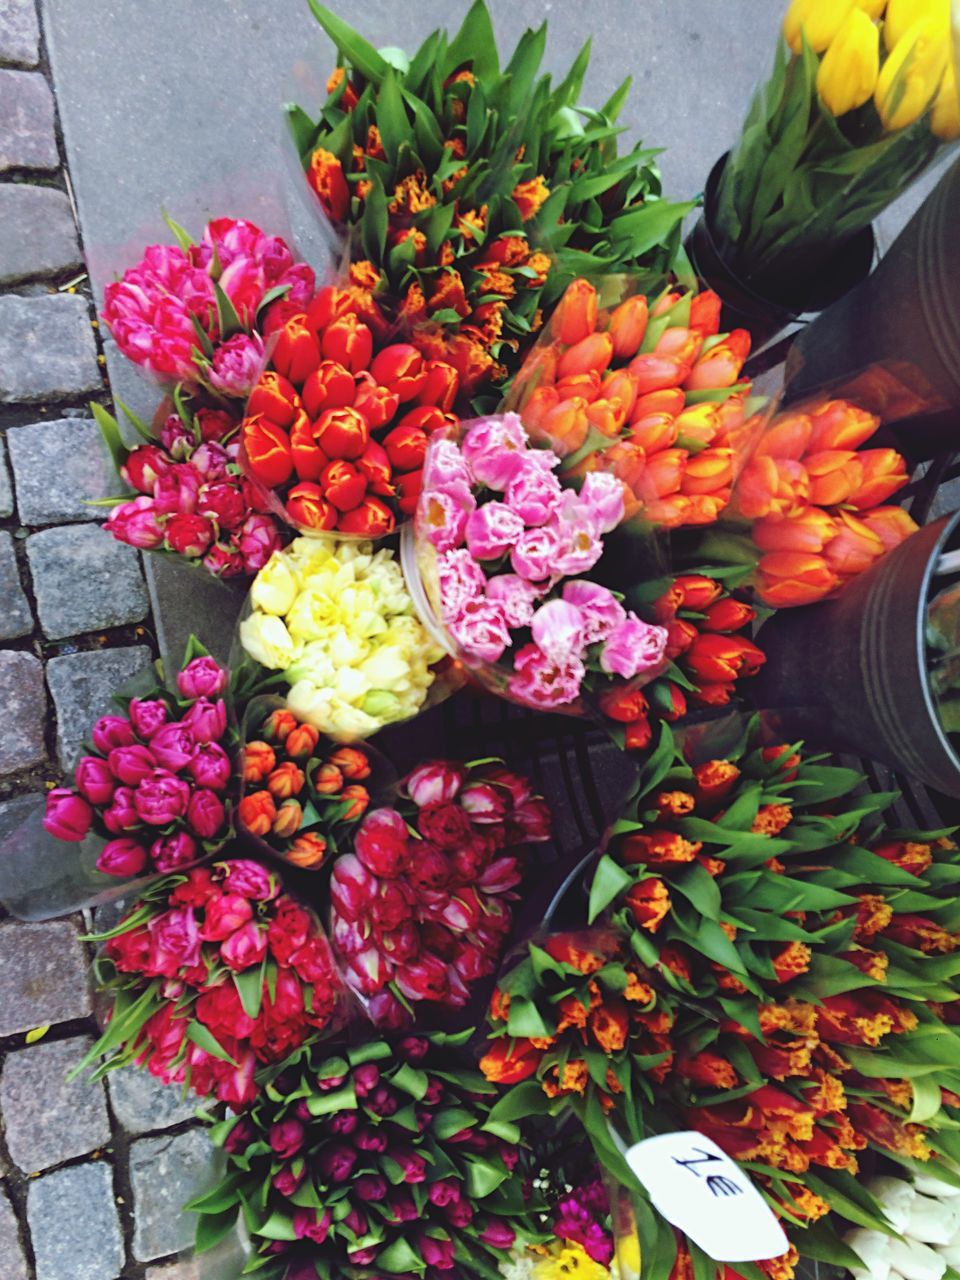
x: 706, y: 1195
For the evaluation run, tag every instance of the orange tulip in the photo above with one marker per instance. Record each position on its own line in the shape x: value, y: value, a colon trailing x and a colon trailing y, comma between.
x: 296, y: 352
x: 274, y: 397
x: 584, y: 385
x: 676, y: 703
x: 607, y: 416
x: 352, y: 763
x: 840, y: 425
x: 649, y: 900
x: 638, y: 735
x: 654, y: 432
x: 329, y: 386
x: 891, y: 525
x: 279, y: 725
x: 308, y: 459
x: 357, y: 799
x: 699, y: 425
x: 441, y: 385
x: 259, y: 758
x: 789, y: 578
x: 728, y: 615
x: 624, y: 705
x: 343, y: 485
x: 705, y: 311
x: 307, y: 850
x: 374, y: 465
x: 349, y: 342
x: 566, y: 426
x: 628, y: 326
x: 285, y: 780
x: 834, y: 475
x: 669, y: 401
x: 620, y: 386
x: 538, y: 406
x: 257, y: 812
x: 342, y: 433
x: 593, y: 352
x: 658, y: 848
x: 325, y: 175
x: 697, y: 592
x: 708, y: 471
x: 509, y: 1061
x: 664, y: 473
x: 668, y: 513
x: 268, y: 451
x: 772, y: 486
x: 854, y: 548
x: 884, y: 472
x: 721, y: 365
x: 626, y: 460
x: 665, y: 303
x: 680, y: 636
x: 308, y: 506
x: 371, y: 518
x: 682, y: 344
x: 656, y: 373
x: 705, y: 508
x: 718, y: 693
x: 329, y: 304
x: 808, y: 530
x: 301, y: 741
x: 377, y: 404
x: 734, y: 428
x: 787, y: 437
x: 288, y: 820
x: 714, y: 658
x: 576, y: 314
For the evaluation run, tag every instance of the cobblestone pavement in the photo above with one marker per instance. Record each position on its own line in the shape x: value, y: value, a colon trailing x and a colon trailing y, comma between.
x: 92, y: 1176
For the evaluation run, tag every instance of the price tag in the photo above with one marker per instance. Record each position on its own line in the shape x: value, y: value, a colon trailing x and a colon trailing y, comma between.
x: 706, y: 1195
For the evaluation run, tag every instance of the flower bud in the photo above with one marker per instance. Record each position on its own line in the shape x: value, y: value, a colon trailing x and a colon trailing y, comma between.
x: 656, y: 373
x: 307, y: 505
x: 406, y: 448
x: 817, y: 21
x: 278, y: 726
x: 440, y: 385
x: 400, y: 367
x: 911, y: 77
x: 285, y: 780
x: 429, y: 418
x: 256, y: 812
x: 328, y: 181
x: 301, y: 741
x: 628, y: 326
x: 188, y: 535
x: 705, y: 309
x: 307, y: 850
x: 592, y: 353
x: 341, y: 433
x: 728, y: 615
x: 374, y: 465
x: 288, y: 820
x: 267, y: 447
x: 94, y: 780
x: 330, y: 386
x: 349, y: 342
x: 123, y: 857
x: 68, y: 816
x: 309, y: 459
x: 379, y: 405
x: 370, y: 518
x: 848, y: 71
x: 144, y: 466
x: 352, y: 763
x: 358, y: 799
x: 136, y: 523
x: 259, y: 759
x: 327, y: 779
x: 408, y: 488
x: 274, y: 398
x: 575, y: 317
x: 296, y: 351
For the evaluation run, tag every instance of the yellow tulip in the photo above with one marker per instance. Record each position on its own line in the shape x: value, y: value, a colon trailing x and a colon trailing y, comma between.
x: 872, y: 8
x: 911, y: 76
x: 945, y: 121
x: 848, y: 73
x: 818, y: 20
x: 902, y: 14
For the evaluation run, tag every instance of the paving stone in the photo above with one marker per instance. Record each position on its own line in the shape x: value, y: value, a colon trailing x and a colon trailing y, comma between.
x: 48, y: 1120
x: 59, y: 468
x: 74, y: 1224
x: 19, y: 32
x: 13, y: 1265
x: 47, y: 348
x: 38, y: 236
x: 27, y: 138
x: 142, y: 1103
x: 24, y: 703
x: 84, y: 581
x: 43, y: 975
x: 82, y: 686
x: 15, y: 616
x: 6, y: 488
x: 186, y: 1270
x: 165, y: 1173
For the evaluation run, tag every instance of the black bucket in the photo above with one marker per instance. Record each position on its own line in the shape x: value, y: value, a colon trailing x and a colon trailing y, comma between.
x: 855, y: 667
x: 766, y: 302
x: 894, y: 342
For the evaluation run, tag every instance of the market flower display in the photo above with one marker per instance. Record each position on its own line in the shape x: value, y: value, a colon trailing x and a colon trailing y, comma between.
x: 337, y: 620
x: 214, y: 973
x: 337, y: 427
x: 155, y: 791
x: 505, y: 551
x: 421, y: 906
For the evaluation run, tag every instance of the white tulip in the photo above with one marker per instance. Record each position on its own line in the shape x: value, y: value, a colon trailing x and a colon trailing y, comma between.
x: 933, y: 1221
x: 895, y: 1197
x: 915, y: 1261
x: 930, y: 1185
x: 871, y: 1248
x: 950, y: 1253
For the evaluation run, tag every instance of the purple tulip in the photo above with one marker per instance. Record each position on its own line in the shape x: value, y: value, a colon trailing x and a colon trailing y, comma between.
x: 211, y: 767
x: 112, y: 731
x: 371, y: 1187
x: 239, y: 1137
x: 122, y: 814
x: 148, y: 715
x: 413, y: 1165
x: 94, y: 780
x: 68, y: 816
x: 498, y: 1234
x: 402, y: 1207
x: 205, y: 813
x: 124, y: 857
x: 366, y: 1078
x: 436, y: 1253
x: 162, y: 797
x: 286, y: 1138
x: 173, y: 747
x: 370, y: 1139
x: 342, y: 1124
x: 337, y: 1163
x: 170, y: 853
x: 131, y: 764
x: 207, y: 720
x: 202, y: 678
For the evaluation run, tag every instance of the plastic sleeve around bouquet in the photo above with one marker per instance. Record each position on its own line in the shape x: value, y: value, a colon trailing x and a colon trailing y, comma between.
x: 153, y: 796
x: 332, y: 623
x: 632, y: 377
x: 302, y: 796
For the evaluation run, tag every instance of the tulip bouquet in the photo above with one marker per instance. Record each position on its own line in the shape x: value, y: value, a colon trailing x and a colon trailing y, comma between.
x: 816, y: 502
x: 503, y: 549
x: 211, y: 973
x: 420, y: 907
x: 378, y: 1159
x: 192, y: 499
x: 336, y: 620
x: 337, y: 426
x: 155, y: 790
x: 472, y: 195
x: 302, y: 796
x: 194, y: 313
x: 647, y: 389
x: 858, y: 105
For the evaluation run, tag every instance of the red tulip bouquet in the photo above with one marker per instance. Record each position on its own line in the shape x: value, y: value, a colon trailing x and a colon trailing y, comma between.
x: 420, y: 909
x: 212, y: 974
x: 337, y: 426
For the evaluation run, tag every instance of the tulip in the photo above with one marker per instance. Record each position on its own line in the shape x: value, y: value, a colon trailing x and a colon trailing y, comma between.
x: 654, y: 432
x: 719, y: 658
x: 259, y: 758
x: 720, y: 366
x: 440, y: 386
x: 94, y: 780
x: 911, y: 77
x: 329, y: 386
x: 343, y: 485
x: 285, y: 780
x: 575, y: 317
x: 619, y: 385
x: 708, y: 471
x: 891, y: 525
x: 379, y: 405
x: 607, y: 417
x: 400, y: 368
x: 680, y: 344
x: 341, y: 433
x: 256, y: 812
x: 326, y: 178
x: 666, y: 302
x: 124, y: 857
x: 274, y: 398
x: 698, y: 426
x: 818, y: 21
x: 680, y: 636
x: 171, y: 853
x: 132, y: 764
x: 854, y: 548
x: 189, y: 535
x: 288, y: 820
x: 327, y: 779
x: 809, y: 530
x: 585, y: 385
x: 536, y: 407
x: 789, y: 578
x: 788, y: 437
x: 656, y: 373
x: 408, y: 491
x: 669, y: 401
x: 884, y: 472
x: 669, y: 700
x: 566, y: 426
x: 68, y: 816
x: 205, y: 813
x: 309, y: 459
x: 624, y: 705
x: 510, y: 1060
x: 267, y: 448
x: 296, y: 351
x: 307, y: 850
x: 728, y: 615
x: 664, y: 473
x: 592, y: 353
x: 834, y: 475
x: 900, y: 15
x: 705, y: 309
x: 136, y: 523
x: 628, y: 326
x: 348, y: 341
x: 697, y: 592
x: 143, y: 467
x: 638, y: 735
x: 357, y: 801
x: 371, y: 518
x: 121, y: 815
x: 772, y: 486
x: 352, y: 763
x: 307, y: 505
x: 406, y: 448
x: 945, y: 120
x: 374, y: 465
x: 848, y: 73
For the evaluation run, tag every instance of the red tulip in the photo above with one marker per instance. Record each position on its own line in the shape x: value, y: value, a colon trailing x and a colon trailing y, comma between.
x: 296, y: 351
x: 308, y: 506
x: 341, y: 433
x: 329, y: 386
x: 268, y: 451
x: 349, y: 342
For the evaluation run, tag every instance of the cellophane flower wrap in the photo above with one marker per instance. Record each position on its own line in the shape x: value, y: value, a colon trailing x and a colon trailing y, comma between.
x: 470, y: 196
x: 811, y: 509
x: 633, y: 378
x: 337, y: 426
x: 942, y: 635
x: 422, y: 906
x: 303, y: 795
x: 336, y: 621
x: 371, y: 1159
x: 768, y: 964
x: 506, y: 560
x: 211, y: 975
x: 861, y: 100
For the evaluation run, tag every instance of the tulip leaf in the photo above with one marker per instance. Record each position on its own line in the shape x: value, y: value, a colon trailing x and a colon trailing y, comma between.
x: 410, y: 1080
x: 391, y: 116
x: 399, y: 1259
x: 214, y: 1227
x: 110, y: 430
x: 204, y: 1039
x: 350, y: 44
x: 250, y: 989
x: 927, y: 1099
x: 180, y: 234
x: 325, y: 1104
x: 483, y: 1177
x: 650, y: 225
x: 451, y: 1120
x: 474, y: 45
x: 525, y: 1019
x: 699, y: 887
x: 609, y: 881
x: 223, y: 1195
x: 277, y: 1227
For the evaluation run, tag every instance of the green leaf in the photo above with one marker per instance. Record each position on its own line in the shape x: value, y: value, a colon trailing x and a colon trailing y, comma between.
x: 927, y: 1099
x: 525, y: 1019
x: 483, y: 1177
x: 609, y: 881
x: 373, y: 226
x: 410, y: 1080
x: 649, y: 225
x: 204, y: 1039
x: 525, y: 1099
x: 392, y: 116
x: 451, y: 1120
x: 350, y: 44
x: 110, y: 430
x: 699, y: 887
x: 475, y: 44
x: 227, y: 319
x: 214, y: 1227
x: 325, y: 1104
x: 399, y: 1259
x: 250, y: 990
x: 182, y: 236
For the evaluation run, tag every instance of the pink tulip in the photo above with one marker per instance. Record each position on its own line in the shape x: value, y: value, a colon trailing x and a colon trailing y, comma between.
x: 202, y: 677
x: 68, y: 816
x: 94, y: 780
x: 123, y: 857
x: 435, y: 782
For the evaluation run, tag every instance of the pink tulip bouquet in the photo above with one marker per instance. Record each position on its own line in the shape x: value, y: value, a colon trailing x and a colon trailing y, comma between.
x: 155, y: 786
x: 420, y: 909
x: 506, y: 559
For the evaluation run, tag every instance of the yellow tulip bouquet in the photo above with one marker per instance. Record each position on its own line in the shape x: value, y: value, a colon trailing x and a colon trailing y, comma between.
x: 862, y: 97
